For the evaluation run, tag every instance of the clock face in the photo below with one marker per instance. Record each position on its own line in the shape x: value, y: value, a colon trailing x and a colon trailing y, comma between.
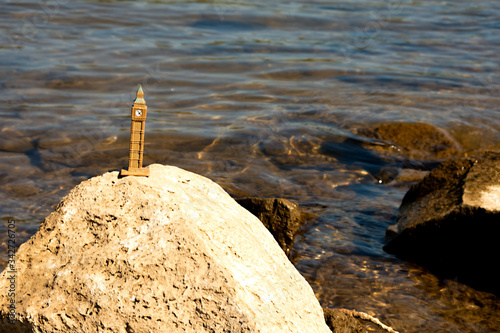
x: 138, y: 112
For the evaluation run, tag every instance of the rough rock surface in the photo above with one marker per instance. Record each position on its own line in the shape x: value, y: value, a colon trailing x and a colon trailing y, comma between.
x: 339, y: 322
x: 450, y: 221
x: 168, y: 253
x: 281, y: 217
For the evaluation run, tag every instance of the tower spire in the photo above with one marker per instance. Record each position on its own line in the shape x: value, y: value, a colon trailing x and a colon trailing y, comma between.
x: 139, y: 99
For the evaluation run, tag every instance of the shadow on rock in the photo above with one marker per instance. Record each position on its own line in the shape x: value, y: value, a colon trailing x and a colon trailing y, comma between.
x: 450, y: 221
x: 281, y: 217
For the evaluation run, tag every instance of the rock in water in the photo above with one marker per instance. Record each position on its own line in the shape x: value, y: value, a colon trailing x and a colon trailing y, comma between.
x: 168, y: 253
x: 450, y: 221
x: 281, y: 217
x: 416, y: 140
x: 339, y: 322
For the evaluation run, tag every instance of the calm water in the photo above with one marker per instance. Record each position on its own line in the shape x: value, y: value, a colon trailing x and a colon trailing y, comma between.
x: 266, y: 98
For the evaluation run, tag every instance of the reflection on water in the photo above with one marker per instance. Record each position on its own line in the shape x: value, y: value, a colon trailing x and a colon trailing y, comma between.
x: 266, y: 98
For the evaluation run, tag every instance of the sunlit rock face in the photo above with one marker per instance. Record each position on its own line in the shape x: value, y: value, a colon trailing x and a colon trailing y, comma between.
x: 168, y: 253
x: 450, y: 221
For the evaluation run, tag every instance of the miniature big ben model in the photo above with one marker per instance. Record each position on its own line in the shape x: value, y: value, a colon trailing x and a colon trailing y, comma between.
x: 139, y: 112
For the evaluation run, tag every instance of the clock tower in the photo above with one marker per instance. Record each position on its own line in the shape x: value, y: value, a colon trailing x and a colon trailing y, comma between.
x: 139, y: 112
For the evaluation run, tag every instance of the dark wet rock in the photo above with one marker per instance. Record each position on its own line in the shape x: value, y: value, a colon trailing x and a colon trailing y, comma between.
x: 415, y: 140
x: 281, y: 217
x: 387, y: 174
x: 410, y: 176
x: 339, y: 322
x: 396, y: 175
x: 450, y: 221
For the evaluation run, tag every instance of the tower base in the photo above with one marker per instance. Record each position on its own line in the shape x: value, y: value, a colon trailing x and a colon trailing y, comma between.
x: 142, y: 172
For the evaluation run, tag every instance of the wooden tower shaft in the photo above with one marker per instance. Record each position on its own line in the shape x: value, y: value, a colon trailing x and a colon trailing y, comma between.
x: 136, y: 145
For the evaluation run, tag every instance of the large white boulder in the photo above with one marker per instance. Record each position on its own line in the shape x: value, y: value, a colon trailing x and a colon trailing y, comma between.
x: 169, y: 253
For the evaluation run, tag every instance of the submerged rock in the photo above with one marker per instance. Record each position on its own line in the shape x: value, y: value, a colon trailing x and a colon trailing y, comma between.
x: 339, y: 322
x: 168, y: 253
x: 450, y: 221
x: 399, y: 176
x: 282, y: 217
x: 416, y: 140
